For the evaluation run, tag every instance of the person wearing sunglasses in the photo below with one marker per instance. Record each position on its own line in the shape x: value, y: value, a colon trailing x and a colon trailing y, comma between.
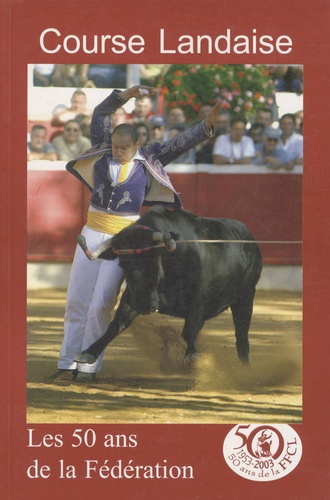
x: 71, y: 143
x: 268, y: 153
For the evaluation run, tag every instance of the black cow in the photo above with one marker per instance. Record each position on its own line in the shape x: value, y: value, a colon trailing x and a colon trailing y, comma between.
x: 189, y: 278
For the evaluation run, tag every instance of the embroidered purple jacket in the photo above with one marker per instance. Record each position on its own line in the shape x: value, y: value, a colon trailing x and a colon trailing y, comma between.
x: 91, y: 168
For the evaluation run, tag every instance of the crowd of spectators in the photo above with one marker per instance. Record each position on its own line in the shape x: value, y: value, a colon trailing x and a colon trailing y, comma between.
x: 70, y: 132
x: 93, y: 75
x: 260, y: 141
x: 80, y: 75
x: 288, y: 78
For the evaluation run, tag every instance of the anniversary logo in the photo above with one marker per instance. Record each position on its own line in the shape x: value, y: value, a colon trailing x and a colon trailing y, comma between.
x: 262, y: 452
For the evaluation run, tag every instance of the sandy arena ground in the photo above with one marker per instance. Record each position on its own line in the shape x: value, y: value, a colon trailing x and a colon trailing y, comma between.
x: 143, y: 379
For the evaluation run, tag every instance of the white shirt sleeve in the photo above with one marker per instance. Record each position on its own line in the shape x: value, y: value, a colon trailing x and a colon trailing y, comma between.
x: 222, y: 146
x: 297, y: 148
x: 248, y: 147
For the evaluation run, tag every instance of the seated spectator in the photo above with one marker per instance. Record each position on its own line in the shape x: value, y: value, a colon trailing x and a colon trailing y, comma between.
x: 43, y: 74
x: 291, y: 141
x: 141, y: 111
x: 189, y: 156
x: 151, y: 72
x: 299, y: 119
x: 222, y: 122
x: 264, y: 116
x: 289, y: 78
x: 175, y: 116
x: 107, y: 76
x: 143, y: 133
x: 118, y: 117
x: 71, y: 142
x: 203, y: 152
x: 157, y: 126
x: 70, y: 75
x: 267, y: 153
x: 255, y: 132
x: 38, y: 148
x: 62, y: 113
x: 202, y: 112
x: 234, y: 147
x: 85, y: 125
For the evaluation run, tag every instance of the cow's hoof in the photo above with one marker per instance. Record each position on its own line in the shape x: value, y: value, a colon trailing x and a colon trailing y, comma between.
x: 85, y: 358
x: 190, y: 358
x: 245, y: 361
x: 85, y: 377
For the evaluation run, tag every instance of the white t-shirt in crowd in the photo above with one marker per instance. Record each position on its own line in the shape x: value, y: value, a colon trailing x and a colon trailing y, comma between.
x: 293, y: 146
x: 224, y: 146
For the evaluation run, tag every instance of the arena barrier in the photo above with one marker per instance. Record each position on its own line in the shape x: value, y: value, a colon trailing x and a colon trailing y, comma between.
x: 268, y: 202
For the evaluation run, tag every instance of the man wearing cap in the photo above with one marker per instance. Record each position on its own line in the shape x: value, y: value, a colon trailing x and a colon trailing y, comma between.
x: 157, y: 125
x: 267, y: 153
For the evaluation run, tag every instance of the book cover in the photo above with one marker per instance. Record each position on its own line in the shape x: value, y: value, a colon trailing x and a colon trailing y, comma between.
x: 149, y: 428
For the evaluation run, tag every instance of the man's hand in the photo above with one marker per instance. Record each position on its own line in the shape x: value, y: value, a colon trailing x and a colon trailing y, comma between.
x: 212, y: 114
x: 138, y: 91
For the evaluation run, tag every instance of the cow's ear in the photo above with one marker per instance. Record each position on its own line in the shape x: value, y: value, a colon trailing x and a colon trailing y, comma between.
x: 108, y: 255
x: 175, y: 236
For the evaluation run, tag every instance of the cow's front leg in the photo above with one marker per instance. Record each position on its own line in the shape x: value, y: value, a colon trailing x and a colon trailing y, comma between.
x: 193, y: 325
x: 124, y: 316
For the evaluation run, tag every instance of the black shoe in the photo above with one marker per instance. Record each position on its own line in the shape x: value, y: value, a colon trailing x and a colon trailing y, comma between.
x: 63, y: 374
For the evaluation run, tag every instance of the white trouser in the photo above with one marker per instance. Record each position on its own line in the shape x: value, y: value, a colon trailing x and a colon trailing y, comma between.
x: 92, y: 294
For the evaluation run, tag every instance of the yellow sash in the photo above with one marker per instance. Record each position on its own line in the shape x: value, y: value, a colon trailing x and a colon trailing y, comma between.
x: 107, y: 223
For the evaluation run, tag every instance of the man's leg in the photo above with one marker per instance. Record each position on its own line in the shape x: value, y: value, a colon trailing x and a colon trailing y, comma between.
x: 106, y: 290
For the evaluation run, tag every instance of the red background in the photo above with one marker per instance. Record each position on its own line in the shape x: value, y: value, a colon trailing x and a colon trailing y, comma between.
x: 307, y: 23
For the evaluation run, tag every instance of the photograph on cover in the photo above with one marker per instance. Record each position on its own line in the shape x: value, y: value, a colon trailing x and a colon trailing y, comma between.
x: 178, y: 286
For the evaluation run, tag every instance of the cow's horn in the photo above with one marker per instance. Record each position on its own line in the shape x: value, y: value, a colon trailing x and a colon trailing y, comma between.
x: 157, y: 236
x: 100, y: 249
x: 166, y: 238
